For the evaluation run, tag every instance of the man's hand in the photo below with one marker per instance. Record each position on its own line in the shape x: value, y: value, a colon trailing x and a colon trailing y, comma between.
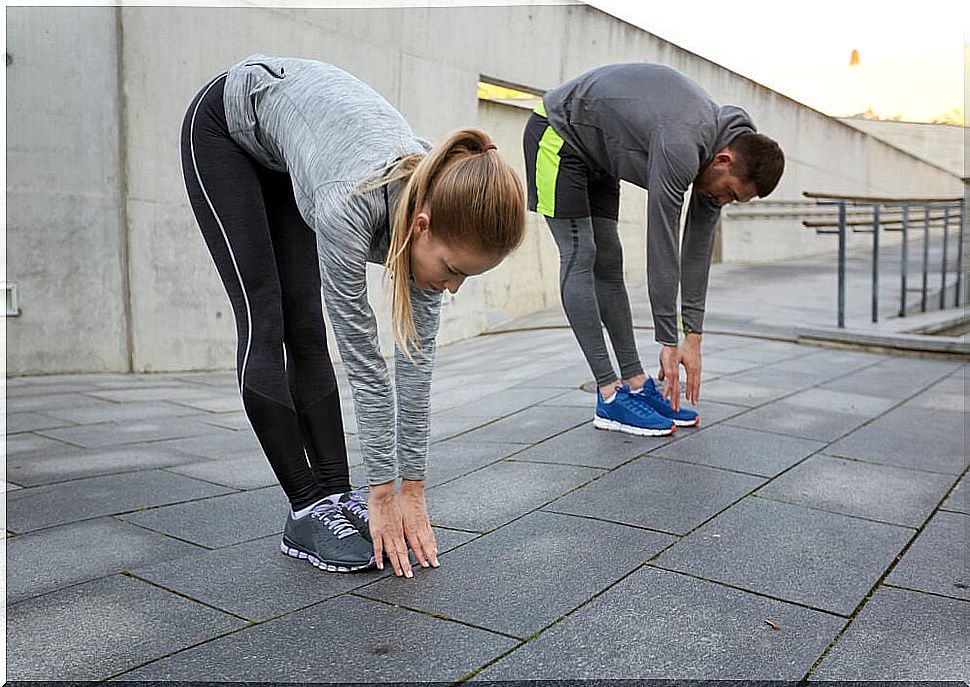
x: 687, y: 354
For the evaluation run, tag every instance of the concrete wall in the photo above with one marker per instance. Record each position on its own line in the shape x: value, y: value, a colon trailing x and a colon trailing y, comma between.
x: 65, y: 241
x: 943, y: 145
x: 426, y: 61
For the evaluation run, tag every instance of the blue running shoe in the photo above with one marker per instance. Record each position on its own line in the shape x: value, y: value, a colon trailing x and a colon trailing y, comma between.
x: 651, y: 397
x: 627, y: 414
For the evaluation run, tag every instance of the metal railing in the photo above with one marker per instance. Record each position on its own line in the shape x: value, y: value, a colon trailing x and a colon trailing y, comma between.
x: 870, y: 214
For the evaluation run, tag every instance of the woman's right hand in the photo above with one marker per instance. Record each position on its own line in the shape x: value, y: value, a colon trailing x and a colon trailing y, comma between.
x: 387, y: 529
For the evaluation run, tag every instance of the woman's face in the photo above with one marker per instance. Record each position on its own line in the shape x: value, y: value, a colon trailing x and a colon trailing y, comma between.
x: 436, y: 265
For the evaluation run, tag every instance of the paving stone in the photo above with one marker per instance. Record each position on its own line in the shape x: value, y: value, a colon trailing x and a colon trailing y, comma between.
x: 215, y: 444
x: 958, y: 500
x: 712, y: 412
x: 663, y: 625
x: 531, y: 426
x: 57, y: 504
x: 841, y: 401
x: 18, y: 402
x: 744, y: 450
x: 29, y: 422
x: 894, y: 378
x: 833, y: 363
x: 225, y: 402
x: 501, y: 403
x: 658, y: 494
x: 501, y: 492
x: 850, y: 487
x: 129, y: 432
x: 42, y: 562
x: 456, y: 457
x: 443, y: 428
x: 731, y: 390
x: 100, y: 628
x: 168, y: 390
x: 823, y: 560
x: 95, y: 411
x: 929, y: 440
x: 949, y: 395
x: 255, y: 581
x: 28, y: 445
x: 764, y: 352
x: 903, y: 635
x: 539, y: 568
x: 794, y: 420
x: 228, y: 421
x: 723, y: 365
x: 937, y: 561
x: 588, y: 446
x: 387, y: 644
x: 248, y: 470
x: 787, y: 380
x: 74, y: 463
x: 222, y: 520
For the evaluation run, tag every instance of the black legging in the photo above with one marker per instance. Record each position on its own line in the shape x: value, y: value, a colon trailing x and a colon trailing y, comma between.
x: 266, y: 256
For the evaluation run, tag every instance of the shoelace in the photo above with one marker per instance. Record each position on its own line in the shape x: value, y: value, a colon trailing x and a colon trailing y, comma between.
x: 332, y: 516
x: 652, y: 391
x: 631, y: 404
x: 357, y: 508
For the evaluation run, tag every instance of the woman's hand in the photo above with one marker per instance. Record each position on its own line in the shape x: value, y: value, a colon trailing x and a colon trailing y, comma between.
x: 387, y: 529
x: 417, y: 526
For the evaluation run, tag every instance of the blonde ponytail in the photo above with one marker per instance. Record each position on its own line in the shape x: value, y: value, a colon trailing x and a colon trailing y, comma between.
x: 476, y: 201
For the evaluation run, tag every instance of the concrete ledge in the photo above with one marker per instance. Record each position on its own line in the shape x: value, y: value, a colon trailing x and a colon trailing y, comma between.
x: 950, y: 346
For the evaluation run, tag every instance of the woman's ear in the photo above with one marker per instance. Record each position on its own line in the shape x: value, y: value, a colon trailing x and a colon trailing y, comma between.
x: 422, y: 223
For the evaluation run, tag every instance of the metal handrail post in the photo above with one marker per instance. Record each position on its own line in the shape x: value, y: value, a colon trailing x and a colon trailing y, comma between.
x: 875, y: 262
x: 842, y: 265
x: 905, y: 260
x: 946, y: 239
x: 926, y: 255
x: 963, y: 222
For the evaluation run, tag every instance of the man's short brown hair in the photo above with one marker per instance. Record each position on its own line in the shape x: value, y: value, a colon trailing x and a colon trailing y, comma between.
x: 762, y: 160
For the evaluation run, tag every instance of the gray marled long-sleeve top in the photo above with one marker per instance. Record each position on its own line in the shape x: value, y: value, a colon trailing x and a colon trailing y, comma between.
x: 330, y: 131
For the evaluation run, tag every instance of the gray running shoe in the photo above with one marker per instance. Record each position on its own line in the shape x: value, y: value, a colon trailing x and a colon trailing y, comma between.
x: 327, y: 539
x: 354, y: 504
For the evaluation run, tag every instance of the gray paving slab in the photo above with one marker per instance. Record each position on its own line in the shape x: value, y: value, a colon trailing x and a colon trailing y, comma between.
x: 215, y: 444
x: 788, y: 380
x: 92, y: 497
x: 247, y: 470
x: 221, y: 520
x: 929, y: 440
x: 782, y: 417
x: 949, y: 395
x: 501, y: 403
x: 959, y: 499
x: 501, y: 492
x: 74, y: 463
x: 663, y: 625
x: 29, y: 422
x: 29, y: 445
x: 903, y: 635
x: 896, y: 378
x: 739, y: 392
x: 825, y: 362
x: 129, y: 432
x: 456, y: 457
x: 841, y: 401
x: 387, y: 644
x: 214, y: 401
x: 99, y: 628
x: 167, y: 390
x: 723, y: 365
x: 823, y: 560
x: 94, y: 411
x: 712, y: 412
x: 444, y: 428
x: 20, y: 400
x: 658, y: 494
x: 588, y: 446
x: 764, y: 352
x: 866, y: 490
x: 741, y: 449
x: 43, y: 562
x: 228, y: 420
x: 536, y: 570
x: 531, y: 426
x: 937, y: 561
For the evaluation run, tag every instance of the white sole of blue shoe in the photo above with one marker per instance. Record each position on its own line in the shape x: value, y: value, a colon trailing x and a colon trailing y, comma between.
x: 688, y: 423
x: 615, y: 426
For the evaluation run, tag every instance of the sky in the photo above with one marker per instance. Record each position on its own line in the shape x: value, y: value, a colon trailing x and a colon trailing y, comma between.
x: 912, y: 56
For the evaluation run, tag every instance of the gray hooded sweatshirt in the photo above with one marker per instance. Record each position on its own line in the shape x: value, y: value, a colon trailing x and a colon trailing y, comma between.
x: 650, y: 125
x: 330, y: 131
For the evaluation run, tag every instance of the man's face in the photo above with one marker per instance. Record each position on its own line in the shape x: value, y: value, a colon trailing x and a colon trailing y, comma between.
x: 718, y: 181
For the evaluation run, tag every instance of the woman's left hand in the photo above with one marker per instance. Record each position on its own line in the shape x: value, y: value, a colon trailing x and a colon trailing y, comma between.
x: 417, y: 526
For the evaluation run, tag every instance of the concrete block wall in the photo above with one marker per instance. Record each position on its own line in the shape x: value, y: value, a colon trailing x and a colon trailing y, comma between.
x: 122, y: 143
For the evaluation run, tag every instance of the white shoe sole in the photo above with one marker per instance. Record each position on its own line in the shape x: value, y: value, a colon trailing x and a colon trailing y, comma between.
x: 616, y: 426
x: 688, y: 423
x: 317, y: 563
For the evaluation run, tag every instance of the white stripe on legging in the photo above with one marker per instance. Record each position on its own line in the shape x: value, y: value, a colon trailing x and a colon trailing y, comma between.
x: 249, y: 315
